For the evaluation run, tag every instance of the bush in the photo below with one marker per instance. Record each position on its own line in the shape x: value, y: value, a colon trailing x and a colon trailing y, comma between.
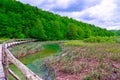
x: 100, y: 39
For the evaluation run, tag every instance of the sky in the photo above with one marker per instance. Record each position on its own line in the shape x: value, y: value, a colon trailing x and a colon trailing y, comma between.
x: 102, y: 13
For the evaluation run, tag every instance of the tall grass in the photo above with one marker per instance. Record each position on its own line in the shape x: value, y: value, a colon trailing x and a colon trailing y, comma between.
x: 3, y: 40
x: 99, y: 59
x: 26, y: 49
x: 74, y: 43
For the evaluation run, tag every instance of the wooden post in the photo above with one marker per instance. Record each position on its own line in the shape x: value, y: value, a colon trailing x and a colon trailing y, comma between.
x: 6, y: 68
x: 3, y: 54
x: 9, y: 45
x: 6, y: 45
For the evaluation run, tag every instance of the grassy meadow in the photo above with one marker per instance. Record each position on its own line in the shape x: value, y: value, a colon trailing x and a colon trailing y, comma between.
x: 87, y: 61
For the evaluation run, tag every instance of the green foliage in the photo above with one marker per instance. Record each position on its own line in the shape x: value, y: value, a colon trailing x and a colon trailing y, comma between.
x: 19, y: 20
x: 117, y: 32
x: 21, y: 36
x: 81, y: 33
x: 72, y: 32
x: 87, y: 32
x: 2, y: 40
x: 38, y: 31
x: 101, y: 39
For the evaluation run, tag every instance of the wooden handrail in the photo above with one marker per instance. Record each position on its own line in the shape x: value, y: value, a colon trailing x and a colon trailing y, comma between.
x: 29, y: 75
x: 13, y: 74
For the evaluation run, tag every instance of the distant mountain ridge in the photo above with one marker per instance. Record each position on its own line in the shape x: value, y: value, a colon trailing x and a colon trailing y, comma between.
x: 19, y: 20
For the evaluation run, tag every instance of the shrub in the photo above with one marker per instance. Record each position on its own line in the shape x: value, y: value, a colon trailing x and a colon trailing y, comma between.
x: 100, y: 39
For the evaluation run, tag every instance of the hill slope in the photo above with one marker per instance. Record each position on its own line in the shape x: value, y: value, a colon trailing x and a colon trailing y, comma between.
x: 117, y: 32
x: 19, y: 20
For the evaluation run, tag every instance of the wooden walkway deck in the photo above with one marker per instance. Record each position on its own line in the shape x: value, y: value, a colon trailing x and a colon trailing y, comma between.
x: 2, y: 76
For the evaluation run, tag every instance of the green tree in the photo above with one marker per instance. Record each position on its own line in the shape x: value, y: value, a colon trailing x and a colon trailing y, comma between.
x: 72, y: 32
x: 56, y: 31
x: 38, y: 31
x: 19, y: 20
x: 87, y: 32
x: 81, y: 33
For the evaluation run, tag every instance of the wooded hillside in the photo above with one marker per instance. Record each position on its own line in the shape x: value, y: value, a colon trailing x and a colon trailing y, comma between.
x: 117, y: 32
x: 19, y: 20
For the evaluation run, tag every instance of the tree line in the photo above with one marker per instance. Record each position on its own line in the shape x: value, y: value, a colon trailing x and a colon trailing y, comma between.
x: 18, y: 20
x: 117, y: 32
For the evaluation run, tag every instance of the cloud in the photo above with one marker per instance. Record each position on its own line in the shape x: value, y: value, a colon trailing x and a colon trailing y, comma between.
x: 68, y: 5
x: 103, y: 13
x: 33, y: 2
x: 50, y: 4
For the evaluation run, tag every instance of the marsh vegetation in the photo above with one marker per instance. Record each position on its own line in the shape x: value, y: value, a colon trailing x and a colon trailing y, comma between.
x: 74, y: 59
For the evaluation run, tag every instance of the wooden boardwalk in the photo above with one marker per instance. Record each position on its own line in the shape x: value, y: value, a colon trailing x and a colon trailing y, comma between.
x: 8, y: 57
x: 2, y: 76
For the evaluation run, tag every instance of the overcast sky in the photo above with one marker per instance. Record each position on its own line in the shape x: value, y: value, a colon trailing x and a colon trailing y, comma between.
x: 103, y: 13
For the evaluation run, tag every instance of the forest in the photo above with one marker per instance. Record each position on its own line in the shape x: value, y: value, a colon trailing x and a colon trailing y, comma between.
x: 117, y: 32
x: 18, y: 20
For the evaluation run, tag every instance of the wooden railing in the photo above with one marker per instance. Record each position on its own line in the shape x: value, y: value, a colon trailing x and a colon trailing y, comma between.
x: 7, y: 58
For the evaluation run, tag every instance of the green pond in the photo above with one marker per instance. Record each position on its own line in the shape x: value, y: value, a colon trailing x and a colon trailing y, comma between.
x: 36, y: 62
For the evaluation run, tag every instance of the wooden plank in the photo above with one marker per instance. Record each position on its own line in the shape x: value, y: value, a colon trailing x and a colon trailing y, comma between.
x: 2, y: 75
x: 0, y: 52
x: 6, y: 67
x: 1, y: 70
